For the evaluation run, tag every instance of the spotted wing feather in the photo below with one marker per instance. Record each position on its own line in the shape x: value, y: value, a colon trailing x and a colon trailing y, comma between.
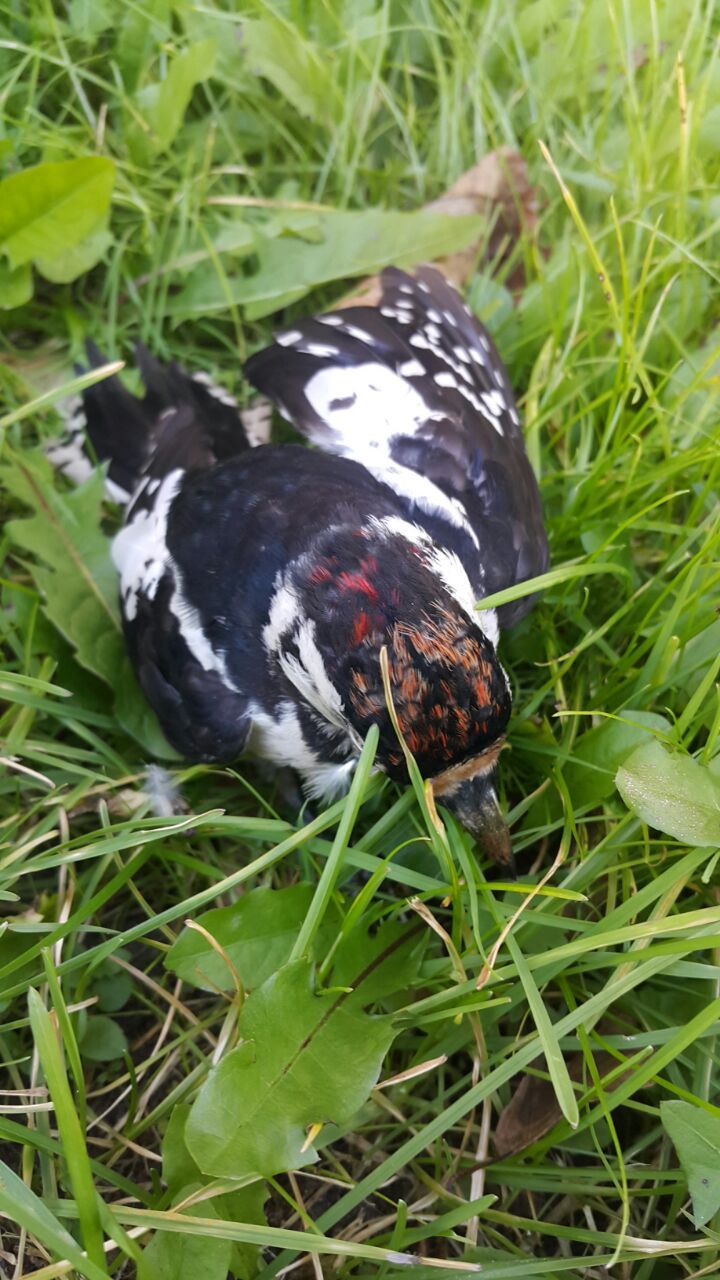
x: 416, y: 391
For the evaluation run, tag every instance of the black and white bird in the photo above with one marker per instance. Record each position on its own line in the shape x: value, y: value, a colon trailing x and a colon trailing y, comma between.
x: 258, y: 585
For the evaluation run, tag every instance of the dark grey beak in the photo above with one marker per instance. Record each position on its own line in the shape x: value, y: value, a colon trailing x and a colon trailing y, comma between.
x: 475, y: 805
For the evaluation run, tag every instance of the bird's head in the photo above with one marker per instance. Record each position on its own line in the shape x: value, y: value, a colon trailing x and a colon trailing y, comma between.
x: 450, y: 693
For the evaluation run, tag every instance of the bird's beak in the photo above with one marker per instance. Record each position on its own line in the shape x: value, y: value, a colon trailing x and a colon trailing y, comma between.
x: 476, y: 807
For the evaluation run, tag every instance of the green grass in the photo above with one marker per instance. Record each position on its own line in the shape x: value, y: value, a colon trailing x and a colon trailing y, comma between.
x: 607, y: 993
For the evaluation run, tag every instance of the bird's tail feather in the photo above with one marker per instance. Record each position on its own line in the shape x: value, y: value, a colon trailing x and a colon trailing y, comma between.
x: 182, y: 421
x: 104, y: 424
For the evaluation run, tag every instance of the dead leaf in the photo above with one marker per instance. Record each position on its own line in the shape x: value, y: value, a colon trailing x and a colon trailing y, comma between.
x: 533, y: 1109
x: 497, y: 187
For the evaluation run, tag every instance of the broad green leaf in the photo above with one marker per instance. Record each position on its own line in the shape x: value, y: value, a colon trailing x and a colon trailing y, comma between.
x: 16, y: 285
x: 179, y: 1168
x: 387, y: 958
x: 598, y: 754
x: 257, y: 934
x: 353, y: 244
x: 234, y: 236
x: 77, y: 579
x: 305, y: 223
x: 673, y: 793
x: 75, y: 261
x: 76, y: 574
x: 175, y: 1256
x: 695, y: 1134
x: 113, y: 989
x: 78, y: 615
x: 141, y: 29
x: 491, y: 301
x: 693, y: 663
x: 50, y: 208
x: 692, y: 390
x: 303, y: 1059
x: 186, y: 70
x: 103, y: 1040
x: 294, y: 66
x: 22, y: 1207
x: 88, y: 18
x: 244, y: 1205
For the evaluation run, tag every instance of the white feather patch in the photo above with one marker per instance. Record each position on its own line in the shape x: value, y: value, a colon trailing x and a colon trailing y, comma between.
x: 285, y: 611
x: 280, y: 738
x: 448, y: 567
x: 328, y: 781
x: 307, y: 673
x: 163, y: 792
x: 139, y: 550
x: 453, y: 576
x: 216, y: 390
x: 191, y: 630
x: 413, y: 533
x: 487, y: 621
x: 366, y: 407
x: 67, y: 455
x: 257, y: 422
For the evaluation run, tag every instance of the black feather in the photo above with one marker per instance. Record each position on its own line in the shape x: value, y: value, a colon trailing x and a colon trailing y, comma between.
x: 118, y: 424
x: 179, y: 422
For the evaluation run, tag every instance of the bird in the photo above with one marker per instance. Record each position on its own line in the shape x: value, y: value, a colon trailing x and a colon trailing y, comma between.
x: 259, y: 584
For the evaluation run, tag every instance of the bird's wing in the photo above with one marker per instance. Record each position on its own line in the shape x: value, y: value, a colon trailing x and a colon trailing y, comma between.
x: 178, y: 429
x: 179, y: 664
x: 415, y: 390
x: 201, y: 714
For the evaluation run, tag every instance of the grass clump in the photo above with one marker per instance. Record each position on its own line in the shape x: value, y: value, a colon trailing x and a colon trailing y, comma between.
x: 309, y: 1073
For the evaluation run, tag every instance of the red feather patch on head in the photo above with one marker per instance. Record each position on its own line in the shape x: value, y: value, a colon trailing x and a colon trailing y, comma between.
x: 358, y: 582
x: 320, y: 573
x: 362, y: 627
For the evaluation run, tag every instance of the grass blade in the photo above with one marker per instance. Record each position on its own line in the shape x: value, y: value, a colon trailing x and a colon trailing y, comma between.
x: 277, y: 1238
x: 73, y: 1139
x: 70, y: 388
x: 23, y: 1207
x: 552, y: 1053
x: 333, y: 865
x: 553, y: 578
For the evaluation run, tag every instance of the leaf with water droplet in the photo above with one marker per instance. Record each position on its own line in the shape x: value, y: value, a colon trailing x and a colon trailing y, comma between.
x: 673, y: 793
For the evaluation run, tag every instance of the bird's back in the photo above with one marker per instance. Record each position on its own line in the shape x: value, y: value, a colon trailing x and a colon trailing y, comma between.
x: 415, y: 390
